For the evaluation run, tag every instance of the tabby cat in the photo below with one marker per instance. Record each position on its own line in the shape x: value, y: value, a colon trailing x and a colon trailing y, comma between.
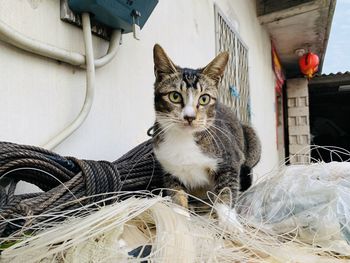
x: 199, y: 142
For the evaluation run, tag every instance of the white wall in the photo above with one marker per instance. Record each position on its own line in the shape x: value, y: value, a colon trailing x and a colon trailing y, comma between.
x: 262, y: 79
x: 38, y: 97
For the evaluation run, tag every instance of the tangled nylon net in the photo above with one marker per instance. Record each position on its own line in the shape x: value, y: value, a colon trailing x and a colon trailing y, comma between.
x: 297, y: 213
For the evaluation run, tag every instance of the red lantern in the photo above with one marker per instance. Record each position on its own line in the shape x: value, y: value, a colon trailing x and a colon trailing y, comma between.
x: 308, y: 64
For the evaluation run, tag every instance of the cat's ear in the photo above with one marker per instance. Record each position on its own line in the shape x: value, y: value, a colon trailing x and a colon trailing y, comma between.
x: 162, y: 63
x: 215, y: 69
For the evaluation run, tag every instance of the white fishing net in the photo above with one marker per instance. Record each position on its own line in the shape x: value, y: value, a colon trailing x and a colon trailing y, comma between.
x: 311, y: 202
x: 298, y: 213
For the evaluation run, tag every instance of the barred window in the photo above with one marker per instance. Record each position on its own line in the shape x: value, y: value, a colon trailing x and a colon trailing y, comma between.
x: 234, y: 88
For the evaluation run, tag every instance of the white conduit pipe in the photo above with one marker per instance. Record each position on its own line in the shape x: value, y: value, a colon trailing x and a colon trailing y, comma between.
x: 112, y: 49
x: 90, y: 87
x: 15, y: 38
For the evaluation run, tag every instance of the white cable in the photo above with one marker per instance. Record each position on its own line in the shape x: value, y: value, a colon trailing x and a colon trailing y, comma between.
x: 15, y: 38
x: 90, y: 87
x: 114, y: 44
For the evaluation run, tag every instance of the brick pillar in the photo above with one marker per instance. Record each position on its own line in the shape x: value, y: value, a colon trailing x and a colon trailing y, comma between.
x: 298, y: 120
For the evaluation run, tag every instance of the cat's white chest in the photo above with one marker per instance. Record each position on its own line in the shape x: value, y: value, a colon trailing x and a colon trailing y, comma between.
x: 181, y: 156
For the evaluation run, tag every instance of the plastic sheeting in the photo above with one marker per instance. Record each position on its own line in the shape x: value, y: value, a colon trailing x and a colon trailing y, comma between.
x: 311, y: 202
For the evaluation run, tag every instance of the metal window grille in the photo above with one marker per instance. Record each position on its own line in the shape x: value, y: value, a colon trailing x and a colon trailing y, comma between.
x: 234, y: 87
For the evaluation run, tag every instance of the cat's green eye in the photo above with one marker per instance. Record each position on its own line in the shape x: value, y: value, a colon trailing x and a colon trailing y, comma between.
x: 204, y: 99
x: 175, y: 97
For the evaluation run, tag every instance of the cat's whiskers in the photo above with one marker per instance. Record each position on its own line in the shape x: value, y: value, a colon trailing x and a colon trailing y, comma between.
x: 205, y: 126
x: 218, y: 119
x: 163, y: 120
x: 223, y: 144
x: 200, y: 123
x: 223, y: 131
x: 167, y: 116
x: 212, y: 136
x: 163, y: 129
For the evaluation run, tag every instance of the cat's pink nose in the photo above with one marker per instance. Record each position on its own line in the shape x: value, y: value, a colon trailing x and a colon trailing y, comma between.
x: 189, y: 119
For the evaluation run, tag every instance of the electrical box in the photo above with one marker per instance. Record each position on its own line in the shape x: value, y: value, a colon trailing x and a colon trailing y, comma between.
x: 128, y: 15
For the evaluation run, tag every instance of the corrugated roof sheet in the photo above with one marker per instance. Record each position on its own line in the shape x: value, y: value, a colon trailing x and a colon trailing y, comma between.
x: 338, y: 74
x: 339, y: 78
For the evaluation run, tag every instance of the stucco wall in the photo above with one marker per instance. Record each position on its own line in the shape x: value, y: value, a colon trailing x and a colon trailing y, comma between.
x: 262, y: 80
x: 39, y: 96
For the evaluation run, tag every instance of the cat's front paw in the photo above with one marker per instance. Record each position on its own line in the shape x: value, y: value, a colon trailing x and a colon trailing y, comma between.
x: 180, y: 198
x: 228, y: 218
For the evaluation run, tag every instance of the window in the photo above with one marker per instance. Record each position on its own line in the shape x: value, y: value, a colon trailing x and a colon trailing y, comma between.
x: 234, y: 88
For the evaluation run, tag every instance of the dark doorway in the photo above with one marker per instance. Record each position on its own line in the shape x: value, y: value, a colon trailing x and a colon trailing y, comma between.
x: 330, y: 122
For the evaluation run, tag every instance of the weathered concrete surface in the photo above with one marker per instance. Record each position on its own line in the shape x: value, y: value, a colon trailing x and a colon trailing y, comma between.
x: 300, y: 24
x: 298, y: 120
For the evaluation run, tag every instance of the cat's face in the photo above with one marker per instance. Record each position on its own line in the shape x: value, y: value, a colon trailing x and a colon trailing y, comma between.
x: 184, y: 98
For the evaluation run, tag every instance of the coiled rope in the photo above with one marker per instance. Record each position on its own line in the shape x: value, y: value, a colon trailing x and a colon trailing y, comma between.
x: 65, y: 180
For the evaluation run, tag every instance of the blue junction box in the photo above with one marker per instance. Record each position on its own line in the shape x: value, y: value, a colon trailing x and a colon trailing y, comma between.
x: 116, y: 13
